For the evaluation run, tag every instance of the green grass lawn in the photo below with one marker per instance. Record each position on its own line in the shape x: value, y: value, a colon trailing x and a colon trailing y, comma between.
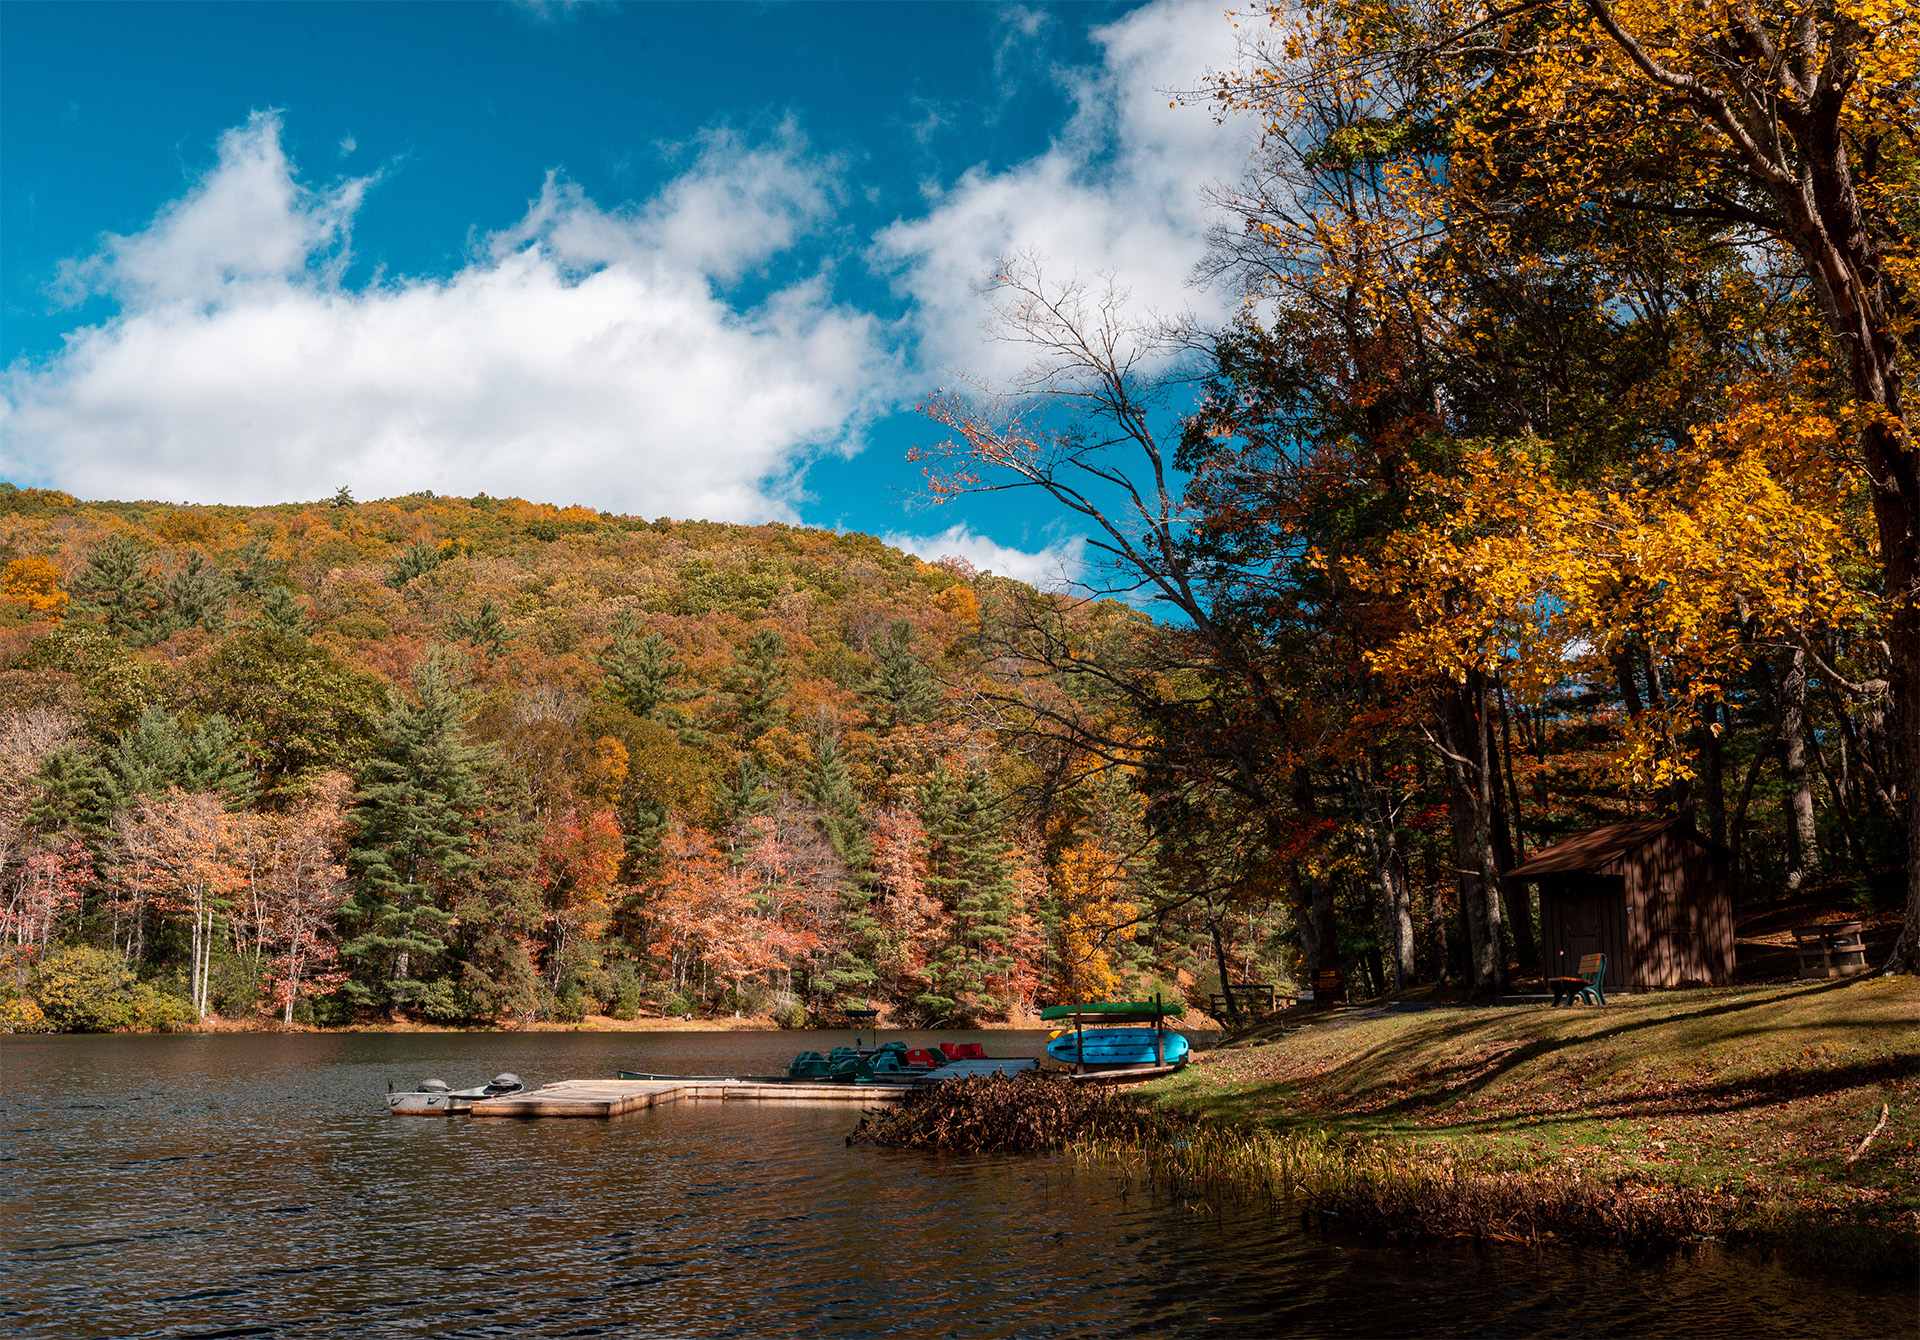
x: 1754, y: 1095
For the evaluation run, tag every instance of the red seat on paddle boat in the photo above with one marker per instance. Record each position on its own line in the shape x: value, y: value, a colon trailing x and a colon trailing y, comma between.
x: 922, y: 1059
x: 951, y: 1050
x: 971, y: 1051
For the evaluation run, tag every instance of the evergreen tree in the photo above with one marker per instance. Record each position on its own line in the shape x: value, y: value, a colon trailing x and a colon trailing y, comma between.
x: 416, y: 560
x: 147, y: 759
x: 252, y: 571
x: 750, y: 792
x: 904, y: 690
x: 117, y: 588
x: 759, y: 685
x: 413, y: 841
x: 645, y: 829
x: 196, y: 596
x: 73, y: 791
x: 829, y: 784
x: 641, y: 673
x: 157, y: 753
x: 215, y: 761
x: 970, y: 871
x: 282, y: 614
x: 486, y: 629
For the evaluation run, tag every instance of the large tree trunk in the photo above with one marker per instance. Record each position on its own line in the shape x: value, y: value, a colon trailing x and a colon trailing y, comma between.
x: 1389, y: 865
x: 1463, y: 743
x: 1803, y: 848
x: 1499, y: 765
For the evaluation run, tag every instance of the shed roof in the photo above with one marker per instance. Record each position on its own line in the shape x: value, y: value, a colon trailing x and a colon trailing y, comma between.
x: 1597, y: 846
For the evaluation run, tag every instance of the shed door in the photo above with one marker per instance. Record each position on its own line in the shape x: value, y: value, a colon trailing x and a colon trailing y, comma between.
x: 1592, y: 921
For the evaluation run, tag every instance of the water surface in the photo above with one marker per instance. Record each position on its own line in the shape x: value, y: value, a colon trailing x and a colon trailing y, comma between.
x: 253, y: 1184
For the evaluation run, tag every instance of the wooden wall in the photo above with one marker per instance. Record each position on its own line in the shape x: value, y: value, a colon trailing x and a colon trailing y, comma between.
x: 1581, y: 914
x: 1662, y: 914
x: 1680, y: 912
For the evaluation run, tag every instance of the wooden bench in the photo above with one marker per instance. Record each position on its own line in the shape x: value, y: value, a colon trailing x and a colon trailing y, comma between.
x: 1590, y: 984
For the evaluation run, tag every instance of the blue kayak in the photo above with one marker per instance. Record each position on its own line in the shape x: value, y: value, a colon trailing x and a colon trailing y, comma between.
x: 1116, y: 1046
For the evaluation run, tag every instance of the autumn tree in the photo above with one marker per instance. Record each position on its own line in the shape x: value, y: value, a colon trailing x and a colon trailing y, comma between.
x: 1788, y: 133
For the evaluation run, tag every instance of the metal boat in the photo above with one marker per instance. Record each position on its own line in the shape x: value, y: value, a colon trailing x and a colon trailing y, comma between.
x: 433, y: 1098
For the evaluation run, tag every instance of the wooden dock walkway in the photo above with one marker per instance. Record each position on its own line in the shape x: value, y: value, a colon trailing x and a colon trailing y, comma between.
x: 612, y: 1097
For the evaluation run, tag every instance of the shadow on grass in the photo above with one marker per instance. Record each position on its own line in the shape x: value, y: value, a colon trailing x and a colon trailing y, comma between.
x: 1479, y: 1062
x: 1471, y: 1075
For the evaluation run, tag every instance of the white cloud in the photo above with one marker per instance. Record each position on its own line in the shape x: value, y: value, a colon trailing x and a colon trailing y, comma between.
x: 581, y: 356
x: 1054, y: 568
x: 1119, y: 189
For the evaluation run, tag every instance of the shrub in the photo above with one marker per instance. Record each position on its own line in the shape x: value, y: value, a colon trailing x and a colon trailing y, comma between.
x: 23, y: 1016
x: 157, y: 1010
x: 570, y: 1006
x: 442, y: 1001
x: 84, y: 990
x: 790, y: 1014
x: 625, y: 994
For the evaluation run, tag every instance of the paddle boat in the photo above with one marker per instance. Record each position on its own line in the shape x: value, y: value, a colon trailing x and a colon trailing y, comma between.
x: 1109, y: 1044
x: 433, y: 1098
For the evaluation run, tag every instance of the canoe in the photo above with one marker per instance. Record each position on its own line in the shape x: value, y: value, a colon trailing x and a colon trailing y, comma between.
x: 1145, y: 1010
x: 1116, y: 1046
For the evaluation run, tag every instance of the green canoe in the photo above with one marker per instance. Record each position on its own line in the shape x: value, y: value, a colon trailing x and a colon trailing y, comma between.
x: 1105, y: 1010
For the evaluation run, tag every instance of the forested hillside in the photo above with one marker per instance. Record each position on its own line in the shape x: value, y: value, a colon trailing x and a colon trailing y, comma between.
x: 1515, y: 500
x: 476, y: 759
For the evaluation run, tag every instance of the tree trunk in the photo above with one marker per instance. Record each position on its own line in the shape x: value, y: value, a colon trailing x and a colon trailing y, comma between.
x: 1389, y: 866
x: 1463, y: 746
x: 1803, y: 846
x: 1326, y: 929
x: 1513, y: 897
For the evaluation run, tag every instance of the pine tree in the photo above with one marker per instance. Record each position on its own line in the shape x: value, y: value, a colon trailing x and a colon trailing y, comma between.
x: 157, y: 754
x: 252, y: 571
x: 196, y: 596
x: 147, y: 759
x: 486, y: 629
x: 413, y: 841
x: 970, y: 871
x: 214, y: 761
x: 641, y: 673
x: 416, y: 560
x: 759, y: 685
x: 117, y: 588
x: 829, y: 784
x: 283, y: 614
x: 905, y: 691
x: 73, y: 791
x: 749, y: 792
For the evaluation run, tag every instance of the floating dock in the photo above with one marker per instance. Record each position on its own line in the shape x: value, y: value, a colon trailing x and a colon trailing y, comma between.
x: 605, y: 1098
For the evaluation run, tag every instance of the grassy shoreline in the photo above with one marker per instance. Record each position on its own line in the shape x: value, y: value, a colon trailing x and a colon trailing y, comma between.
x: 1729, y: 1113
x: 1660, y: 1120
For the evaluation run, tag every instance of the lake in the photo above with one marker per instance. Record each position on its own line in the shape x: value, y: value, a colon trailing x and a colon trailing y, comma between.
x: 253, y: 1184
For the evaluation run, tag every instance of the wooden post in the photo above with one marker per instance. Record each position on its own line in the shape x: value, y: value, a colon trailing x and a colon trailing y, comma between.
x: 1079, y: 1038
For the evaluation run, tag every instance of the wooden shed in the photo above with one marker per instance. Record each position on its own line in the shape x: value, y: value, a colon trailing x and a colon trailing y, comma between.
x: 1653, y: 896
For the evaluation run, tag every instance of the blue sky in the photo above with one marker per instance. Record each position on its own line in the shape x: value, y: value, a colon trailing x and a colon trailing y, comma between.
x: 680, y: 260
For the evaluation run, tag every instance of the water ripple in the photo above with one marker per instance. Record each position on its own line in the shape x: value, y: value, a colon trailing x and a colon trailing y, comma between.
x: 253, y: 1185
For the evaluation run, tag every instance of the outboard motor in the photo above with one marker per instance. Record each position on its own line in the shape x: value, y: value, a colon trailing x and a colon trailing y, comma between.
x: 503, y: 1083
